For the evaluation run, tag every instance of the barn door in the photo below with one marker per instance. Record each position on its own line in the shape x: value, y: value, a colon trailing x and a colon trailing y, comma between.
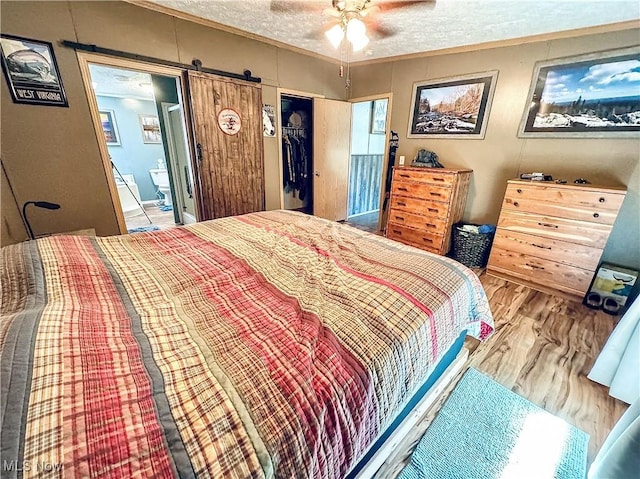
x: 227, y: 130
x: 331, y: 154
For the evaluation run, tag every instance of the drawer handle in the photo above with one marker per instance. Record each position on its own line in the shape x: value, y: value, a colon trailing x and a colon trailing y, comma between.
x: 427, y: 240
x: 434, y: 194
x: 405, y: 176
x: 548, y: 225
x: 430, y: 225
x: 516, y: 204
x: 397, y: 232
x: 401, y: 218
x: 403, y: 189
x: 432, y: 210
x: 601, y: 200
x: 540, y: 246
x: 519, y: 190
x: 400, y: 203
x: 438, y: 179
x: 596, y: 215
x: 534, y: 266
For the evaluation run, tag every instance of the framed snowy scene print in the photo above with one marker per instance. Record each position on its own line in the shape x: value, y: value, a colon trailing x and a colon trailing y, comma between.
x: 588, y: 96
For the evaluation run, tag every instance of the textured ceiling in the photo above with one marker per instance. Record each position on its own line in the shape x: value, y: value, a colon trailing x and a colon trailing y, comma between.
x: 117, y: 82
x: 420, y: 28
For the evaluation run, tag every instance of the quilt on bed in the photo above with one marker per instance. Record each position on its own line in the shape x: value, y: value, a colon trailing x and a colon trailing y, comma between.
x: 270, y: 344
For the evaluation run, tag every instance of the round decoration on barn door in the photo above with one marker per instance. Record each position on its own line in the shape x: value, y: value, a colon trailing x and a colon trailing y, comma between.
x: 229, y: 121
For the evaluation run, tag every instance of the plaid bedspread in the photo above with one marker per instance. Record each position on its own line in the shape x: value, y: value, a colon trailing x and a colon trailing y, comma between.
x: 273, y: 344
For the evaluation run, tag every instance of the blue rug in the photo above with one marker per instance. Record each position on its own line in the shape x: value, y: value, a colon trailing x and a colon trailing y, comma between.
x: 486, y: 431
x: 143, y: 229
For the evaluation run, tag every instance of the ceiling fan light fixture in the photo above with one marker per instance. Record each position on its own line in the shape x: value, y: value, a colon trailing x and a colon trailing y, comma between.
x: 357, y: 34
x: 359, y: 43
x: 335, y: 35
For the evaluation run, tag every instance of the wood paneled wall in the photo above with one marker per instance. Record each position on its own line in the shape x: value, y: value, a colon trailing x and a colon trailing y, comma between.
x: 364, y: 183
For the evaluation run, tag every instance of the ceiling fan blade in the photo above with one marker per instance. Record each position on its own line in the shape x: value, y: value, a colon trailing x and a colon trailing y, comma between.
x: 331, y: 12
x: 385, y: 6
x: 293, y: 6
x: 379, y: 32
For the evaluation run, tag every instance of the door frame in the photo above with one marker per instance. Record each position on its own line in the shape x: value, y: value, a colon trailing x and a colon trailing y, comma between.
x: 279, y: 93
x: 177, y: 186
x: 387, y: 135
x: 86, y: 58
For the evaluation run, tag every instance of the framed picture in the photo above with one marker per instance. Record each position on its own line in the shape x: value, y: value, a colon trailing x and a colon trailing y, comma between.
x: 452, y: 107
x: 587, y: 96
x: 108, y: 122
x: 268, y: 120
x: 611, y: 282
x: 31, y: 71
x: 379, y: 116
x: 150, y: 129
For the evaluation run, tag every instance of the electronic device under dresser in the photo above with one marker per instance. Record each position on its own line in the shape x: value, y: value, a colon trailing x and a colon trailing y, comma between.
x: 425, y: 203
x: 551, y: 236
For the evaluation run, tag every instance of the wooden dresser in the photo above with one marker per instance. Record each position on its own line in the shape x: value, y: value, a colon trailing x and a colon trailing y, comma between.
x: 425, y: 203
x: 551, y: 236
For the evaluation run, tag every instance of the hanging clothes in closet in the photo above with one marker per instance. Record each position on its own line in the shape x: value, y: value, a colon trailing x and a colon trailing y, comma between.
x: 295, y: 162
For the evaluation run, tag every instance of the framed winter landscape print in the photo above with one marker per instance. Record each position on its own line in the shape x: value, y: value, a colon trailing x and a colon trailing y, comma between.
x: 588, y: 96
x: 452, y: 107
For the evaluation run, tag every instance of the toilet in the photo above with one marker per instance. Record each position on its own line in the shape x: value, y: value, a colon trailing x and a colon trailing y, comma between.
x: 160, y: 178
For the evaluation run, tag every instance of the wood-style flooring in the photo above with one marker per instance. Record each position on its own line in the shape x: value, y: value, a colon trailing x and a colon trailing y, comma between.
x: 366, y: 222
x: 162, y: 219
x: 542, y: 349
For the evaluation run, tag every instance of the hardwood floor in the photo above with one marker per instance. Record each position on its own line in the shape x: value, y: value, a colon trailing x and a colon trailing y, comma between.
x: 162, y: 219
x: 542, y: 349
x: 366, y: 222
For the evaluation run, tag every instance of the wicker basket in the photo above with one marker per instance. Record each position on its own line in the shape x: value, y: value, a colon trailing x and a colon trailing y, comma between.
x: 469, y: 248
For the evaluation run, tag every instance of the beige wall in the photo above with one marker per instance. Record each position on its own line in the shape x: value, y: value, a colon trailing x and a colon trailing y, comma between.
x: 52, y: 153
x: 501, y: 155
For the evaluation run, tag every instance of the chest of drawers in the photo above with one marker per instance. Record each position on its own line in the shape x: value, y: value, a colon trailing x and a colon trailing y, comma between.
x: 551, y: 236
x: 424, y: 204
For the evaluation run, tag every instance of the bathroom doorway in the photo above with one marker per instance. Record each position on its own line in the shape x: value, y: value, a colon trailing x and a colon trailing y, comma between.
x: 368, y: 150
x: 143, y: 128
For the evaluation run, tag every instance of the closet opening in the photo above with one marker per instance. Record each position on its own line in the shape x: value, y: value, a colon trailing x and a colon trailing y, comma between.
x: 296, y: 118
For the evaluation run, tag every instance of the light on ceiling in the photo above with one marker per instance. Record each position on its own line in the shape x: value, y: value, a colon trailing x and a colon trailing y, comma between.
x: 335, y: 35
x: 355, y: 31
x: 357, y: 34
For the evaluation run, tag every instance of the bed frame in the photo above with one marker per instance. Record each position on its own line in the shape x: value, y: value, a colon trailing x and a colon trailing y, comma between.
x: 389, y: 440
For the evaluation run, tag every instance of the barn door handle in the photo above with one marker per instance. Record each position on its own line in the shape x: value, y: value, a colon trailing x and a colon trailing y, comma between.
x: 199, y: 151
x: 187, y: 182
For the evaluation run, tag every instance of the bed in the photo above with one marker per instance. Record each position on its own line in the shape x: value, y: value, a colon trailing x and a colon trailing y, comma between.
x: 273, y: 344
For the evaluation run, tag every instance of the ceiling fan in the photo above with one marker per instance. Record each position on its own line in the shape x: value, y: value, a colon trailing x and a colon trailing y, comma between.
x: 354, y: 20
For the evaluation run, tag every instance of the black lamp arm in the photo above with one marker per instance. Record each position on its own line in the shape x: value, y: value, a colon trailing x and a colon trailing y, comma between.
x: 40, y: 204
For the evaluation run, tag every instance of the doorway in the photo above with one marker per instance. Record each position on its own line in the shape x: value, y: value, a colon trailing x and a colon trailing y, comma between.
x: 141, y: 128
x: 368, y: 146
x: 296, y: 118
x: 324, y: 126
